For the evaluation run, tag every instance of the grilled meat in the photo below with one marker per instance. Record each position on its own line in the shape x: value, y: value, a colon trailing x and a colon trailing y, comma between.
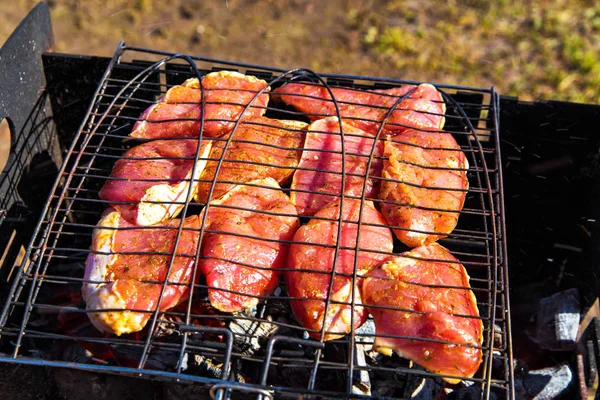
x: 245, y: 244
x: 430, y: 290
x: 319, y: 179
x: 117, y: 279
x: 424, y: 187
x: 366, y: 109
x: 154, y: 179
x: 261, y: 148
x: 311, y: 285
x: 179, y: 112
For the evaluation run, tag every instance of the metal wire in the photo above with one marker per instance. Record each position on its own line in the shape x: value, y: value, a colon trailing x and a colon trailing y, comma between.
x: 253, y: 349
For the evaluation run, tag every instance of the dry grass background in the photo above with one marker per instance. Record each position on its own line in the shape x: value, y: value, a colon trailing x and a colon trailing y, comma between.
x: 534, y: 49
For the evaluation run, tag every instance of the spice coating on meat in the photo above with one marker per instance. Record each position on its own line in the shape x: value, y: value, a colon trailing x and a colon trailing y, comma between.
x: 115, y: 280
x: 318, y: 180
x: 311, y: 285
x: 423, y: 109
x: 261, y: 148
x: 245, y: 245
x: 154, y: 177
x: 226, y: 94
x: 408, y: 282
x: 414, y: 170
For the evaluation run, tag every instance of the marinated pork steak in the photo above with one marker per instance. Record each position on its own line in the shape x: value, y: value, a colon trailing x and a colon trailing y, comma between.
x: 318, y: 180
x: 245, y: 243
x: 310, y: 287
x: 424, y: 187
x: 366, y: 109
x: 116, y: 279
x: 260, y: 148
x: 433, y: 301
x: 179, y: 112
x: 153, y: 179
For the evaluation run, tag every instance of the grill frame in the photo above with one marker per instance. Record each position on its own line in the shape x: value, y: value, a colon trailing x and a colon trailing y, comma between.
x: 497, y: 219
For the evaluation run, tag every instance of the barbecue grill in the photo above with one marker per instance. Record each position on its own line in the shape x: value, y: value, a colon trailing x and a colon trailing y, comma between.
x: 262, y: 351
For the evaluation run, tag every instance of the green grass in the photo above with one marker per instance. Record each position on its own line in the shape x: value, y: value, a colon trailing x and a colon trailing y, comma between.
x: 536, y: 49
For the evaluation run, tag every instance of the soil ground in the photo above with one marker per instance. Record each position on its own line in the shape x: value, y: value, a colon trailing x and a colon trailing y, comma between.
x: 537, y: 49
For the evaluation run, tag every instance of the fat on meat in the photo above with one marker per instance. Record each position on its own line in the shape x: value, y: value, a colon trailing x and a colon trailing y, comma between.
x: 151, y: 182
x: 246, y: 242
x: 178, y: 113
x: 260, y: 148
x: 318, y: 180
x: 122, y: 289
x: 424, y: 186
x: 425, y: 294
x: 366, y: 109
x: 311, y: 262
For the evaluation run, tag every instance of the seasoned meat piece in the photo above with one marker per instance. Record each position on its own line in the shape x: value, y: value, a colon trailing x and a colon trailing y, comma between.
x: 308, y: 254
x: 245, y: 244
x: 226, y: 93
x: 430, y: 290
x: 117, y: 279
x: 312, y: 187
x: 423, y: 109
x: 261, y: 148
x: 423, y: 202
x: 158, y: 171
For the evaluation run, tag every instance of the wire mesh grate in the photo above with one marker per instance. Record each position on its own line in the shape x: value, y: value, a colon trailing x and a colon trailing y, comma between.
x: 262, y: 349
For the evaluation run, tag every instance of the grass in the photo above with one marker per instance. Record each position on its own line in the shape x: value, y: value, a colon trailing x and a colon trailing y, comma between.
x: 538, y: 49
x: 535, y: 49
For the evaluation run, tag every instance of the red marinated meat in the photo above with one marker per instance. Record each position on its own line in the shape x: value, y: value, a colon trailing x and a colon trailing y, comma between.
x: 245, y: 245
x: 261, y: 148
x: 312, y: 188
x: 179, y: 112
x: 430, y: 290
x: 116, y: 280
x: 366, y: 109
x: 154, y: 179
x: 310, y: 286
x: 424, y: 188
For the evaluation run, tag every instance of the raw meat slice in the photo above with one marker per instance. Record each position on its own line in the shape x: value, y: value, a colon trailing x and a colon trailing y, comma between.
x: 314, y: 262
x: 430, y: 292
x: 423, y: 198
x: 179, y: 112
x: 423, y: 109
x: 115, y: 279
x: 154, y: 178
x: 261, y: 148
x: 312, y: 188
x: 246, y: 243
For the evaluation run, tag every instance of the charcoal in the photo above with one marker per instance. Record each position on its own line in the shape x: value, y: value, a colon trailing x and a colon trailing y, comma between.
x: 249, y: 334
x: 361, y: 382
x: 366, y: 334
x: 388, y: 388
x: 419, y: 388
x: 76, y: 353
x: 520, y: 391
x: 498, y: 337
x: 558, y: 321
x: 547, y: 383
x: 520, y: 368
x: 469, y: 393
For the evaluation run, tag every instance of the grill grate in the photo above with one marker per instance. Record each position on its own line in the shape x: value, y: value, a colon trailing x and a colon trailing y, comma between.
x: 262, y: 350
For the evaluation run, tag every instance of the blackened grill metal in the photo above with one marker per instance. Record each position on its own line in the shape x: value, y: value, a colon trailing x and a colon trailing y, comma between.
x: 54, y: 260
